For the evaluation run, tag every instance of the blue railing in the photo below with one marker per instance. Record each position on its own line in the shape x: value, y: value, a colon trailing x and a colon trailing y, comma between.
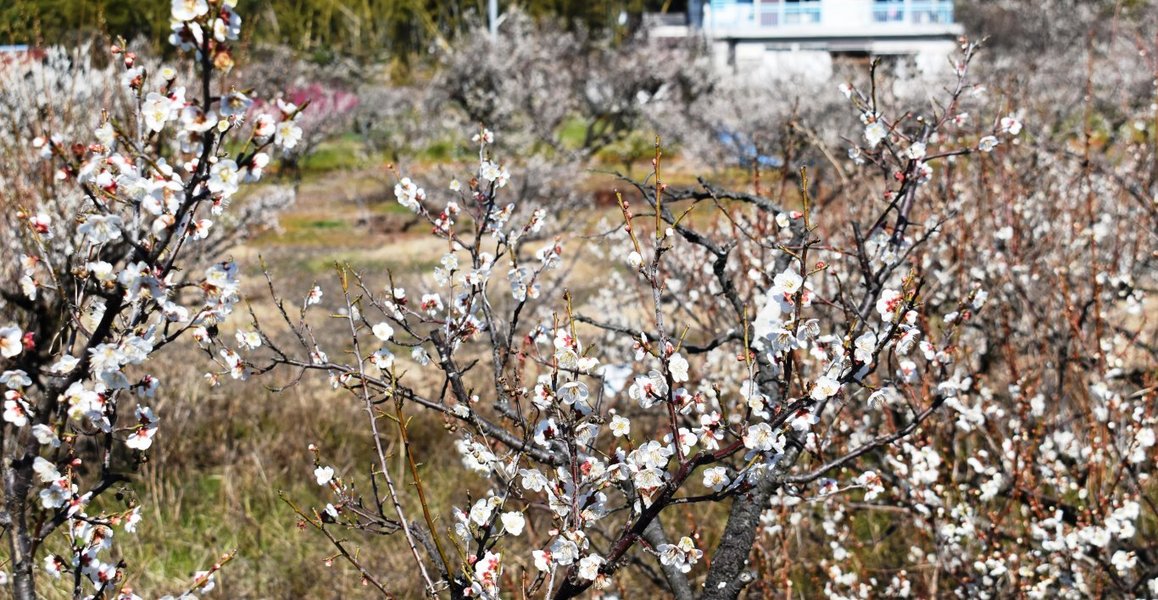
x: 765, y: 13
x: 779, y: 13
x: 784, y: 13
x: 931, y: 11
x: 913, y: 11
x: 890, y: 11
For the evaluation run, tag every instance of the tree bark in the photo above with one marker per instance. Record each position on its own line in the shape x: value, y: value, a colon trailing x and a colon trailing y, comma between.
x: 728, y: 574
x: 677, y: 580
x: 17, y: 481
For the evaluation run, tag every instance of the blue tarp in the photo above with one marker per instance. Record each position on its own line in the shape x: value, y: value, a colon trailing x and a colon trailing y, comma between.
x: 746, y: 152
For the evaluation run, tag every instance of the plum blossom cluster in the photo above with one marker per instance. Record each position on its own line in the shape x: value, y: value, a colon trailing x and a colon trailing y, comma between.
x: 108, y: 225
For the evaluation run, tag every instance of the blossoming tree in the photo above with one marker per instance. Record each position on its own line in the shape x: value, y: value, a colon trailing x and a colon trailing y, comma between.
x: 791, y: 358
x: 109, y: 229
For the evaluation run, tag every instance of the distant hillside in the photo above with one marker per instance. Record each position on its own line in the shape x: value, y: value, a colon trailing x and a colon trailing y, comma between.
x: 365, y: 29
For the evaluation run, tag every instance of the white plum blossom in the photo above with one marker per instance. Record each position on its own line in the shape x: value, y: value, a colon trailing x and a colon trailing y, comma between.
x: 408, y: 194
x: 487, y: 572
x: 533, y: 480
x: 53, y: 565
x: 383, y: 331
x: 142, y: 436
x: 11, y: 341
x: 864, y: 346
x: 824, y: 388
x: 589, y: 566
x: 486, y: 136
x: 55, y: 495
x: 45, y: 470
x: 761, y: 438
x: 197, y: 120
x: 248, y: 340
x: 871, y: 482
x: 16, y: 411
x: 15, y: 380
x: 323, y: 475
x: 157, y: 109
x: 1010, y: 125
x: 635, y: 260
x: 716, y: 478
x: 188, y: 10
x: 542, y: 559
x: 889, y: 303
x: 649, y: 389
x: 576, y: 394
x: 480, y: 513
x: 225, y: 178
x: 678, y: 366
x: 314, y: 296
x: 620, y: 427
x: 383, y: 359
x: 264, y: 126
x: 682, y: 555
x: 787, y: 283
x: 490, y: 171
x: 875, y: 132
x: 45, y: 436
x: 513, y: 522
x: 287, y: 134
x: 879, y: 397
x: 101, y: 228
x: 420, y: 356
x: 804, y: 305
x: 1123, y: 561
x: 105, y: 134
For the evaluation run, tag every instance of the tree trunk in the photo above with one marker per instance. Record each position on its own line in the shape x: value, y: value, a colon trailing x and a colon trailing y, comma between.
x: 729, y: 572
x: 677, y: 581
x: 17, y: 480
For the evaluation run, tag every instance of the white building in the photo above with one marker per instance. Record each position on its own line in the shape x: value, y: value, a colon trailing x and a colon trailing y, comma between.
x: 803, y: 37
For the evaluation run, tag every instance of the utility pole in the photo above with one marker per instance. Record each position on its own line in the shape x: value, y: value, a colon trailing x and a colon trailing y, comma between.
x: 493, y: 16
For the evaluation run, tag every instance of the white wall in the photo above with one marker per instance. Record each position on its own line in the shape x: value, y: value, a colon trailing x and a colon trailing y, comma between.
x: 755, y: 59
x: 844, y: 14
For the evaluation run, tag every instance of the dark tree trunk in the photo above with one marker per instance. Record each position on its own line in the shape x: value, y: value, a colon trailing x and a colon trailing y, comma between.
x: 729, y: 572
x: 17, y: 480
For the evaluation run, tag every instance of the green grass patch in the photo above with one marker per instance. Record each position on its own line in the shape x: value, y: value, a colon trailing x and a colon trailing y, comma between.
x: 345, y: 152
x: 310, y: 230
x: 573, y: 133
x: 320, y: 265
